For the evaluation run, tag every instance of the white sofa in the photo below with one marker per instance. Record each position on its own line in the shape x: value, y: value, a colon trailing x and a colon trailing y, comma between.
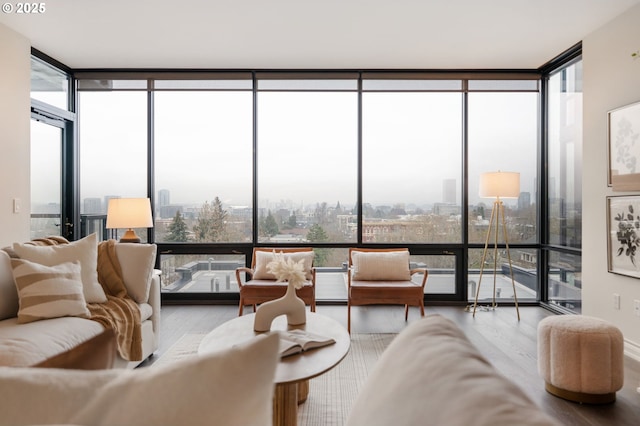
x: 432, y: 374
x: 31, y: 343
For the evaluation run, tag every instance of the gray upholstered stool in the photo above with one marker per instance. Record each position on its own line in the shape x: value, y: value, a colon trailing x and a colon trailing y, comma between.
x: 581, y: 358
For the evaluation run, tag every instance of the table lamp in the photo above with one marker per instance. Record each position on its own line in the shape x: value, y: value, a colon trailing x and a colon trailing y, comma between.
x: 129, y: 213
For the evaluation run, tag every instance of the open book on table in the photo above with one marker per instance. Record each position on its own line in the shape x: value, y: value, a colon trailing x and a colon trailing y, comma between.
x: 296, y: 341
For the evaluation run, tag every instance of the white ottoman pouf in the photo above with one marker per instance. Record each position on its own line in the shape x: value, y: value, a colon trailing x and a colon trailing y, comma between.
x: 581, y: 358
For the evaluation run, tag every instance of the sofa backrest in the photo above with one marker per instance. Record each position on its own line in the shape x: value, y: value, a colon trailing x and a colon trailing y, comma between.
x: 8, y: 291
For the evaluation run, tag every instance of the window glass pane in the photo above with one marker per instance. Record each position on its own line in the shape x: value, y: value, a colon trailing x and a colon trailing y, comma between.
x: 503, y: 136
x: 441, y: 270
x: 497, y: 85
x: 49, y: 84
x: 524, y: 265
x: 565, y: 157
x: 108, y: 84
x: 329, y: 84
x: 113, y: 149
x: 398, y: 85
x: 46, y: 178
x: 203, y: 84
x: 565, y: 280
x: 411, y: 167
x: 200, y: 273
x: 307, y: 166
x: 203, y: 162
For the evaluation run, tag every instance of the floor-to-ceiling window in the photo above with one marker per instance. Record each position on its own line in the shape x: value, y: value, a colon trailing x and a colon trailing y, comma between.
x: 52, y: 147
x: 503, y: 134
x: 412, y: 143
x: 203, y: 149
x: 113, y: 144
x: 296, y: 159
x: 564, y: 187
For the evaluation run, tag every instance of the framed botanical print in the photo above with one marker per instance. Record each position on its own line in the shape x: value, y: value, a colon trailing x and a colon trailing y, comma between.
x: 623, y: 131
x: 623, y: 248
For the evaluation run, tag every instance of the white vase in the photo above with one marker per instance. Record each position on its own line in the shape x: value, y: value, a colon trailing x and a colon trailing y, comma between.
x: 289, y: 304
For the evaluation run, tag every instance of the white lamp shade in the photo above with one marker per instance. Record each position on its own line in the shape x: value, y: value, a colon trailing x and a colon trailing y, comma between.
x: 129, y: 213
x: 500, y: 185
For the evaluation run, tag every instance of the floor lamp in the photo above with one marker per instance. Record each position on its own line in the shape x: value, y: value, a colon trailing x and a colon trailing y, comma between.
x: 498, y: 185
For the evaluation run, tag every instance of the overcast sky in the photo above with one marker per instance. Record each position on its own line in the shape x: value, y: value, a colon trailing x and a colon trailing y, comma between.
x: 307, y: 145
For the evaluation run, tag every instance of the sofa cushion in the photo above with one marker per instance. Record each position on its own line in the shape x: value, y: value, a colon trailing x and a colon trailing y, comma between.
x: 231, y: 387
x: 432, y: 373
x: 137, y: 262
x: 263, y: 258
x: 48, y: 291
x: 8, y: 292
x: 84, y: 250
x: 381, y: 266
x: 28, y: 344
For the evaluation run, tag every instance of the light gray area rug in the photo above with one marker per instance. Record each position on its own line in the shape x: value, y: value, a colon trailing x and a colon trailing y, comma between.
x: 330, y: 395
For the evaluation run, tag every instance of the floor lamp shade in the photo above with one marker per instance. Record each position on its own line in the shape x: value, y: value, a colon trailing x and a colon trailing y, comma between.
x: 129, y: 213
x: 500, y: 185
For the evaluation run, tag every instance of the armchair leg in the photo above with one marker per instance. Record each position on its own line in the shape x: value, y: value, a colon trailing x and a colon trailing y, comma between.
x: 406, y: 312
x: 254, y: 308
x: 422, y: 308
x: 241, y: 308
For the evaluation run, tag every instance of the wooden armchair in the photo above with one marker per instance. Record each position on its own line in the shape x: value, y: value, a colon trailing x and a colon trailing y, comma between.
x: 261, y: 286
x: 383, y: 277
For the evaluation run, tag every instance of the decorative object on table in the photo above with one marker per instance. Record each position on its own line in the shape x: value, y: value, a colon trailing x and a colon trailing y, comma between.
x: 129, y: 213
x: 623, y: 221
x: 498, y: 185
x: 284, y: 268
x: 295, y: 341
x: 624, y: 147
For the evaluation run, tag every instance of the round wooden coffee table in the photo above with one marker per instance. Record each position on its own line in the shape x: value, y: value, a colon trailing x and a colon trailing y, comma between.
x: 292, y: 372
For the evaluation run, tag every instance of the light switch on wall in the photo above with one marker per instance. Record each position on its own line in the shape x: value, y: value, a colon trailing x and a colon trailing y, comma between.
x: 17, y: 205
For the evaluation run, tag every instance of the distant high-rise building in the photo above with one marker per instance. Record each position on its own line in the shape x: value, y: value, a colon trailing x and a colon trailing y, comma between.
x: 92, y: 206
x: 449, y: 191
x: 524, y: 200
x: 163, y: 198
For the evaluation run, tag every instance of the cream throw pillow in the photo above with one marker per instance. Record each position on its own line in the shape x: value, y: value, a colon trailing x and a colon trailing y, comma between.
x: 231, y: 387
x: 263, y: 258
x: 380, y: 266
x: 137, y: 262
x: 85, y: 251
x: 48, y: 291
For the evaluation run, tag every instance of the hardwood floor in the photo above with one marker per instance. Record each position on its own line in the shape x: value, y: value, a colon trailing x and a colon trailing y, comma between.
x: 509, y: 345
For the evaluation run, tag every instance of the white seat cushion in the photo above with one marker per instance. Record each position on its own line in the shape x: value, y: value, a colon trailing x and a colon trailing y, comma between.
x: 22, y: 345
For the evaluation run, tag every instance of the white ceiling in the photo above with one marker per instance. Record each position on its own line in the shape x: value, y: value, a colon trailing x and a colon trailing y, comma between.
x: 344, y: 34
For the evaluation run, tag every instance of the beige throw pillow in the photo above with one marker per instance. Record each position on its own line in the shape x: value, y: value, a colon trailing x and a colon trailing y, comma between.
x: 231, y: 387
x: 48, y: 291
x: 380, y: 266
x: 264, y: 257
x: 8, y: 293
x: 85, y: 251
x: 137, y: 262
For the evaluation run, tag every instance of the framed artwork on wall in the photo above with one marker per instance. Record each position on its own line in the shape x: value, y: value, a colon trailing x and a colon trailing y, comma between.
x: 623, y: 134
x: 623, y: 242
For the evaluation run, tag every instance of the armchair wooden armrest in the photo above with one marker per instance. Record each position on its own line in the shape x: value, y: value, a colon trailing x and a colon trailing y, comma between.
x: 239, y: 271
x: 424, y: 276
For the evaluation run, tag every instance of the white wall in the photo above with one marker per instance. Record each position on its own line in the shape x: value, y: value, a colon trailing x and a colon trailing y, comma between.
x: 15, y: 53
x: 611, y: 80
